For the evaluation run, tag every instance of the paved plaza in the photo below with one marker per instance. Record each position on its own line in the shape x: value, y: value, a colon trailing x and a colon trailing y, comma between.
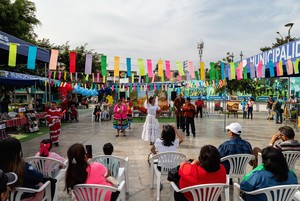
x: 209, y: 130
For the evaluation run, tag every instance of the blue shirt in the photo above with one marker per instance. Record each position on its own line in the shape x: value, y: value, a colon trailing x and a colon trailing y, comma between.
x: 260, y: 178
x: 236, y: 145
x: 243, y: 103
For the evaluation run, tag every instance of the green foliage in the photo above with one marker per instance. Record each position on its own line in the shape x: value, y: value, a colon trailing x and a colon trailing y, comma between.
x: 18, y: 19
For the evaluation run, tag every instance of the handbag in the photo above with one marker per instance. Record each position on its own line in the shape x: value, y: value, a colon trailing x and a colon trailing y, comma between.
x: 173, y: 175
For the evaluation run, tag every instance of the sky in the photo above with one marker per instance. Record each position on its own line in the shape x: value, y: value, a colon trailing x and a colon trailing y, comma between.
x: 167, y: 29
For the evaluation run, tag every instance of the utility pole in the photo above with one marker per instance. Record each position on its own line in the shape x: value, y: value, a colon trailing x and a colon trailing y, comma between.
x: 241, y: 55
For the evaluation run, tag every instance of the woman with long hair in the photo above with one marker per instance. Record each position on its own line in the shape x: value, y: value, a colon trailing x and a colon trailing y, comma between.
x: 81, y: 172
x: 273, y: 171
x: 11, y: 160
x: 167, y: 141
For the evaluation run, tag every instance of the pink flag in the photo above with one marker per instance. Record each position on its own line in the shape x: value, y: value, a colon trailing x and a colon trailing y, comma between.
x: 179, y: 77
x: 192, y: 72
x: 289, y: 68
x: 259, y: 70
x: 98, y: 77
x: 50, y: 74
x: 149, y: 65
x: 168, y: 70
x: 53, y: 60
x: 239, y: 73
x: 277, y: 70
x: 59, y: 75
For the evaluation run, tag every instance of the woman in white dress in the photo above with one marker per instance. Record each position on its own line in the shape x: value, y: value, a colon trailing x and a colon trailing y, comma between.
x: 151, y: 126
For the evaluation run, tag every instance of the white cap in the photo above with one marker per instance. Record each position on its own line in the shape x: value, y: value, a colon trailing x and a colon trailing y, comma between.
x: 235, y: 128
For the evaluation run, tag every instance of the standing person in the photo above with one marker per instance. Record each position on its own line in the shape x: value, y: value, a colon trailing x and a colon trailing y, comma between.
x: 250, y: 104
x: 81, y: 172
x: 244, y: 107
x: 293, y: 106
x: 120, y: 117
x: 53, y: 117
x: 199, y: 104
x: 97, y: 113
x: 277, y: 107
x: 235, y: 145
x: 270, y: 102
x: 189, y: 112
x: 129, y: 111
x: 178, y: 103
x: 151, y: 125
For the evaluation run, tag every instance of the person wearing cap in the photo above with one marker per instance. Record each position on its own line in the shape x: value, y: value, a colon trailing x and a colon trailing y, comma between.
x: 6, y: 179
x: 236, y: 145
x: 189, y: 112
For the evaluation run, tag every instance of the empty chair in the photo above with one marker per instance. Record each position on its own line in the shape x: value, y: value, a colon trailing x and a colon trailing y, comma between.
x: 204, y: 192
x: 117, y: 166
x: 167, y: 161
x: 274, y: 193
x: 49, y: 167
x: 17, y: 193
x: 238, y: 164
x: 96, y: 192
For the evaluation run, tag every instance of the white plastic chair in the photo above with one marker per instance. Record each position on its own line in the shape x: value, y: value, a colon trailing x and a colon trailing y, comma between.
x: 17, y: 193
x: 167, y: 161
x: 117, y: 166
x: 49, y: 167
x: 96, y: 192
x: 238, y: 164
x: 274, y: 193
x: 204, y: 192
x: 290, y: 156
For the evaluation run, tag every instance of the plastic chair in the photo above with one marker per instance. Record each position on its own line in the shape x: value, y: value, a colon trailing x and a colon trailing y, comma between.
x: 167, y: 161
x: 96, y: 192
x: 274, y: 193
x: 290, y: 156
x: 117, y: 166
x: 49, y: 167
x: 238, y: 164
x: 203, y: 192
x: 17, y: 193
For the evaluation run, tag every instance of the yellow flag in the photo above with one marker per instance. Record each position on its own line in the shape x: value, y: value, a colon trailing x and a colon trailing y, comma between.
x: 160, y: 68
x: 12, y: 58
x: 202, y: 71
x: 117, y: 67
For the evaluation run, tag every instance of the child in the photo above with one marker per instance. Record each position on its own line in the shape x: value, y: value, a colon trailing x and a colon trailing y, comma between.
x: 108, y: 148
x: 45, y: 150
x: 6, y: 179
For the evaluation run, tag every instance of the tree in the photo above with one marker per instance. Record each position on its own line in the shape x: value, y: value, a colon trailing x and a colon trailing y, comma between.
x: 18, y: 19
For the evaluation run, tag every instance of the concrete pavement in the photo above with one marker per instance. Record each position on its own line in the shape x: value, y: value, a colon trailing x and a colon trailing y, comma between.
x: 209, y: 130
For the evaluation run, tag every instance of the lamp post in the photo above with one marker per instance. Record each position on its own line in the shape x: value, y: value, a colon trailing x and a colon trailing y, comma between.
x: 279, y: 35
x: 289, y: 31
x: 241, y: 55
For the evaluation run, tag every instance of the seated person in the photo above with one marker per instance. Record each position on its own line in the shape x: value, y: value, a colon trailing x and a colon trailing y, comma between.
x: 81, y: 172
x: 273, y: 171
x: 6, y: 179
x: 287, y: 142
x: 97, y: 112
x: 204, y: 170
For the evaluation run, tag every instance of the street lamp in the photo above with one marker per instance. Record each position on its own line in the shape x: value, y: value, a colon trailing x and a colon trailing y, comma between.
x: 289, y: 31
x: 241, y: 55
x: 279, y: 35
x: 200, y: 48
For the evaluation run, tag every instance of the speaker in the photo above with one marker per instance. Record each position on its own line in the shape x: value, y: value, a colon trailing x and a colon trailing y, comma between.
x: 173, y: 95
x: 122, y: 94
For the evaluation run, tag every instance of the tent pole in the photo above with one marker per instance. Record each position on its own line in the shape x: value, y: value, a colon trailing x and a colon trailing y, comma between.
x: 46, y: 89
x: 15, y: 96
x: 35, y: 95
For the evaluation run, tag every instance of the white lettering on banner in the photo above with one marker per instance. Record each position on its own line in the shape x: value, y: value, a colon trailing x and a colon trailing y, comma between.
x: 269, y: 57
x: 282, y: 54
x: 277, y: 53
x: 297, y: 49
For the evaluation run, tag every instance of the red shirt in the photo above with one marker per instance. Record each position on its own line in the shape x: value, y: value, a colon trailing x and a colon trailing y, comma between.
x: 192, y: 174
x: 199, y: 103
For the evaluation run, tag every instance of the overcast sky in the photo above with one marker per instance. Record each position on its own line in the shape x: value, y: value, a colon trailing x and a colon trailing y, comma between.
x: 167, y: 29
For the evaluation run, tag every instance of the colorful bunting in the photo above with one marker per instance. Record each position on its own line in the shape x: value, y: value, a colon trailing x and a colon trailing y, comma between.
x: 296, y: 66
x: 212, y: 71
x: 192, y: 72
x: 271, y: 69
x: 180, y: 68
x: 141, y: 67
x: 31, y: 57
x: 280, y: 67
x: 72, y: 62
x: 160, y: 68
x: 289, y: 67
x: 117, y: 67
x: 222, y: 70
x: 103, y: 65
x: 12, y: 57
x: 232, y: 70
x: 245, y: 73
x: 149, y: 66
x: 168, y: 69
x: 53, y: 60
x: 128, y: 64
x: 259, y: 70
x: 202, y: 71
